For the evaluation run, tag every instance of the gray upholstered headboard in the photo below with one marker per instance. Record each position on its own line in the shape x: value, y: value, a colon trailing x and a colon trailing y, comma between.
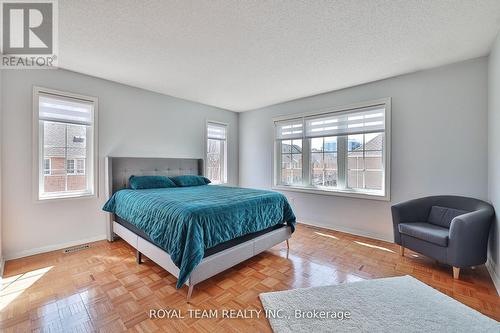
x: 119, y: 169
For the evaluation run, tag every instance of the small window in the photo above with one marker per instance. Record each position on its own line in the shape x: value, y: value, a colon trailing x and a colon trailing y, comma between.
x: 66, y: 129
x: 70, y: 167
x: 46, y: 166
x: 343, y: 152
x: 80, y: 167
x: 216, y: 156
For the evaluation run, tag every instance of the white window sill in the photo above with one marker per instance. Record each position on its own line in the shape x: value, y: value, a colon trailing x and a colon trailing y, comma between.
x: 66, y: 196
x: 370, y: 195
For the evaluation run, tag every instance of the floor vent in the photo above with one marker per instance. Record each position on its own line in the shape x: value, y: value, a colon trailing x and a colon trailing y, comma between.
x: 76, y: 248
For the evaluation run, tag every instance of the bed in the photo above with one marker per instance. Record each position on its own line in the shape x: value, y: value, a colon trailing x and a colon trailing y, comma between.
x: 192, y: 232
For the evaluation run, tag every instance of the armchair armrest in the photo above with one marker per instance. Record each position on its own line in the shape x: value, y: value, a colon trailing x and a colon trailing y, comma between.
x: 469, y: 238
x: 416, y: 210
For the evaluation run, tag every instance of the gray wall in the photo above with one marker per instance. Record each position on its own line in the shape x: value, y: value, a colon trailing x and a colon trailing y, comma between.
x: 132, y: 122
x: 439, y: 144
x: 494, y: 156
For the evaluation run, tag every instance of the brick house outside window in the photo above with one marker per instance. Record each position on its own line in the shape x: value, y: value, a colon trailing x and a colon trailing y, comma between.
x: 64, y: 157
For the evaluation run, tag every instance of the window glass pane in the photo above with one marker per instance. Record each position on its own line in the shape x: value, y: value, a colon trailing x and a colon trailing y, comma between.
x: 80, y: 166
x: 296, y: 147
x: 291, y: 171
x: 355, y: 142
x: 291, y: 162
x: 76, y: 149
x: 296, y: 161
x: 330, y: 178
x: 297, y: 176
x: 365, y: 162
x: 286, y: 146
x: 330, y: 144
x: 59, y: 146
x: 330, y: 160
x: 373, y: 160
x: 373, y: 180
x: 286, y: 160
x: 59, y: 152
x: 317, y: 169
x: 214, y: 160
x: 374, y: 141
x: 316, y: 144
x: 355, y: 178
x: 355, y: 160
x: 286, y: 178
x: 324, y: 167
x: 317, y: 160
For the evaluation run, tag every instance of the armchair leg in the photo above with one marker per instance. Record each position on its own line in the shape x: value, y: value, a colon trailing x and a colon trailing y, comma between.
x: 456, y: 272
x: 401, y: 251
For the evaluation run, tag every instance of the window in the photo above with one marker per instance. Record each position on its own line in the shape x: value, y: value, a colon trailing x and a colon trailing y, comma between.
x: 343, y: 151
x: 46, y: 166
x: 65, y: 129
x: 80, y: 167
x: 324, y: 171
x: 216, y: 154
x: 75, y: 167
x: 70, y: 167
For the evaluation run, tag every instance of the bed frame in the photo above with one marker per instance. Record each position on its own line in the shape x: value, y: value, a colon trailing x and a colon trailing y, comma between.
x: 117, y: 172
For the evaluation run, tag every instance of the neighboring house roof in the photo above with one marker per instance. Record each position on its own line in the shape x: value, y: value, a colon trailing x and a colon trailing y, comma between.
x: 294, y: 149
x: 55, y: 137
x: 374, y: 144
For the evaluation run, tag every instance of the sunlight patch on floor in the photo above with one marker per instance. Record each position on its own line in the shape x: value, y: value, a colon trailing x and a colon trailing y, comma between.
x: 325, y: 235
x: 14, y: 286
x: 374, y: 246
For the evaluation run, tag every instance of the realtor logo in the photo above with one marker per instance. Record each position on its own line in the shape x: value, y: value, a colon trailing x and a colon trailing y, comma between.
x: 29, y: 33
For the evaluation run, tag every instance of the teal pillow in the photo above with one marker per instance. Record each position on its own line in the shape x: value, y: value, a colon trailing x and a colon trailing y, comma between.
x: 184, y: 181
x: 144, y: 182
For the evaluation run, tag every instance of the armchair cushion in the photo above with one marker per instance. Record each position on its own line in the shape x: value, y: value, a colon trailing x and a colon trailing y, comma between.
x: 426, y: 231
x: 442, y: 216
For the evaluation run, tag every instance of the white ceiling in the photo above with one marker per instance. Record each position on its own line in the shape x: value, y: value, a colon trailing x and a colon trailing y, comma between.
x: 242, y: 55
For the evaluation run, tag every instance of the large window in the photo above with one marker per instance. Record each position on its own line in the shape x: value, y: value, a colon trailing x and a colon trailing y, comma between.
x: 343, y: 151
x: 65, y: 129
x: 216, y: 157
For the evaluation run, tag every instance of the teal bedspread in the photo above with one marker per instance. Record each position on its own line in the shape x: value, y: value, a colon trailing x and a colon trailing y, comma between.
x: 184, y: 221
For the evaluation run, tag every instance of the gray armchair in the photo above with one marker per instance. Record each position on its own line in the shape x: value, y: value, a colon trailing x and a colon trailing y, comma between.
x: 451, y: 229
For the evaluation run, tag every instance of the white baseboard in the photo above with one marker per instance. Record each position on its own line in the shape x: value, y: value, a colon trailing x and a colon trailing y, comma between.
x: 490, y: 266
x: 55, y: 247
x: 352, y: 231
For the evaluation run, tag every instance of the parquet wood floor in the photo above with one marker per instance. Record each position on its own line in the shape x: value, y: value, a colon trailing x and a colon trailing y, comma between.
x: 102, y: 288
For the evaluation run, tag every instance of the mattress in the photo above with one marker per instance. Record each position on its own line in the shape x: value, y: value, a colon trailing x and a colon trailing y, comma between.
x: 186, y: 222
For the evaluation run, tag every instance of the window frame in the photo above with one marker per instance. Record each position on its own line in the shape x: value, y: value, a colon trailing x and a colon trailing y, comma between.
x: 226, y: 150
x: 342, y: 167
x: 91, y: 164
